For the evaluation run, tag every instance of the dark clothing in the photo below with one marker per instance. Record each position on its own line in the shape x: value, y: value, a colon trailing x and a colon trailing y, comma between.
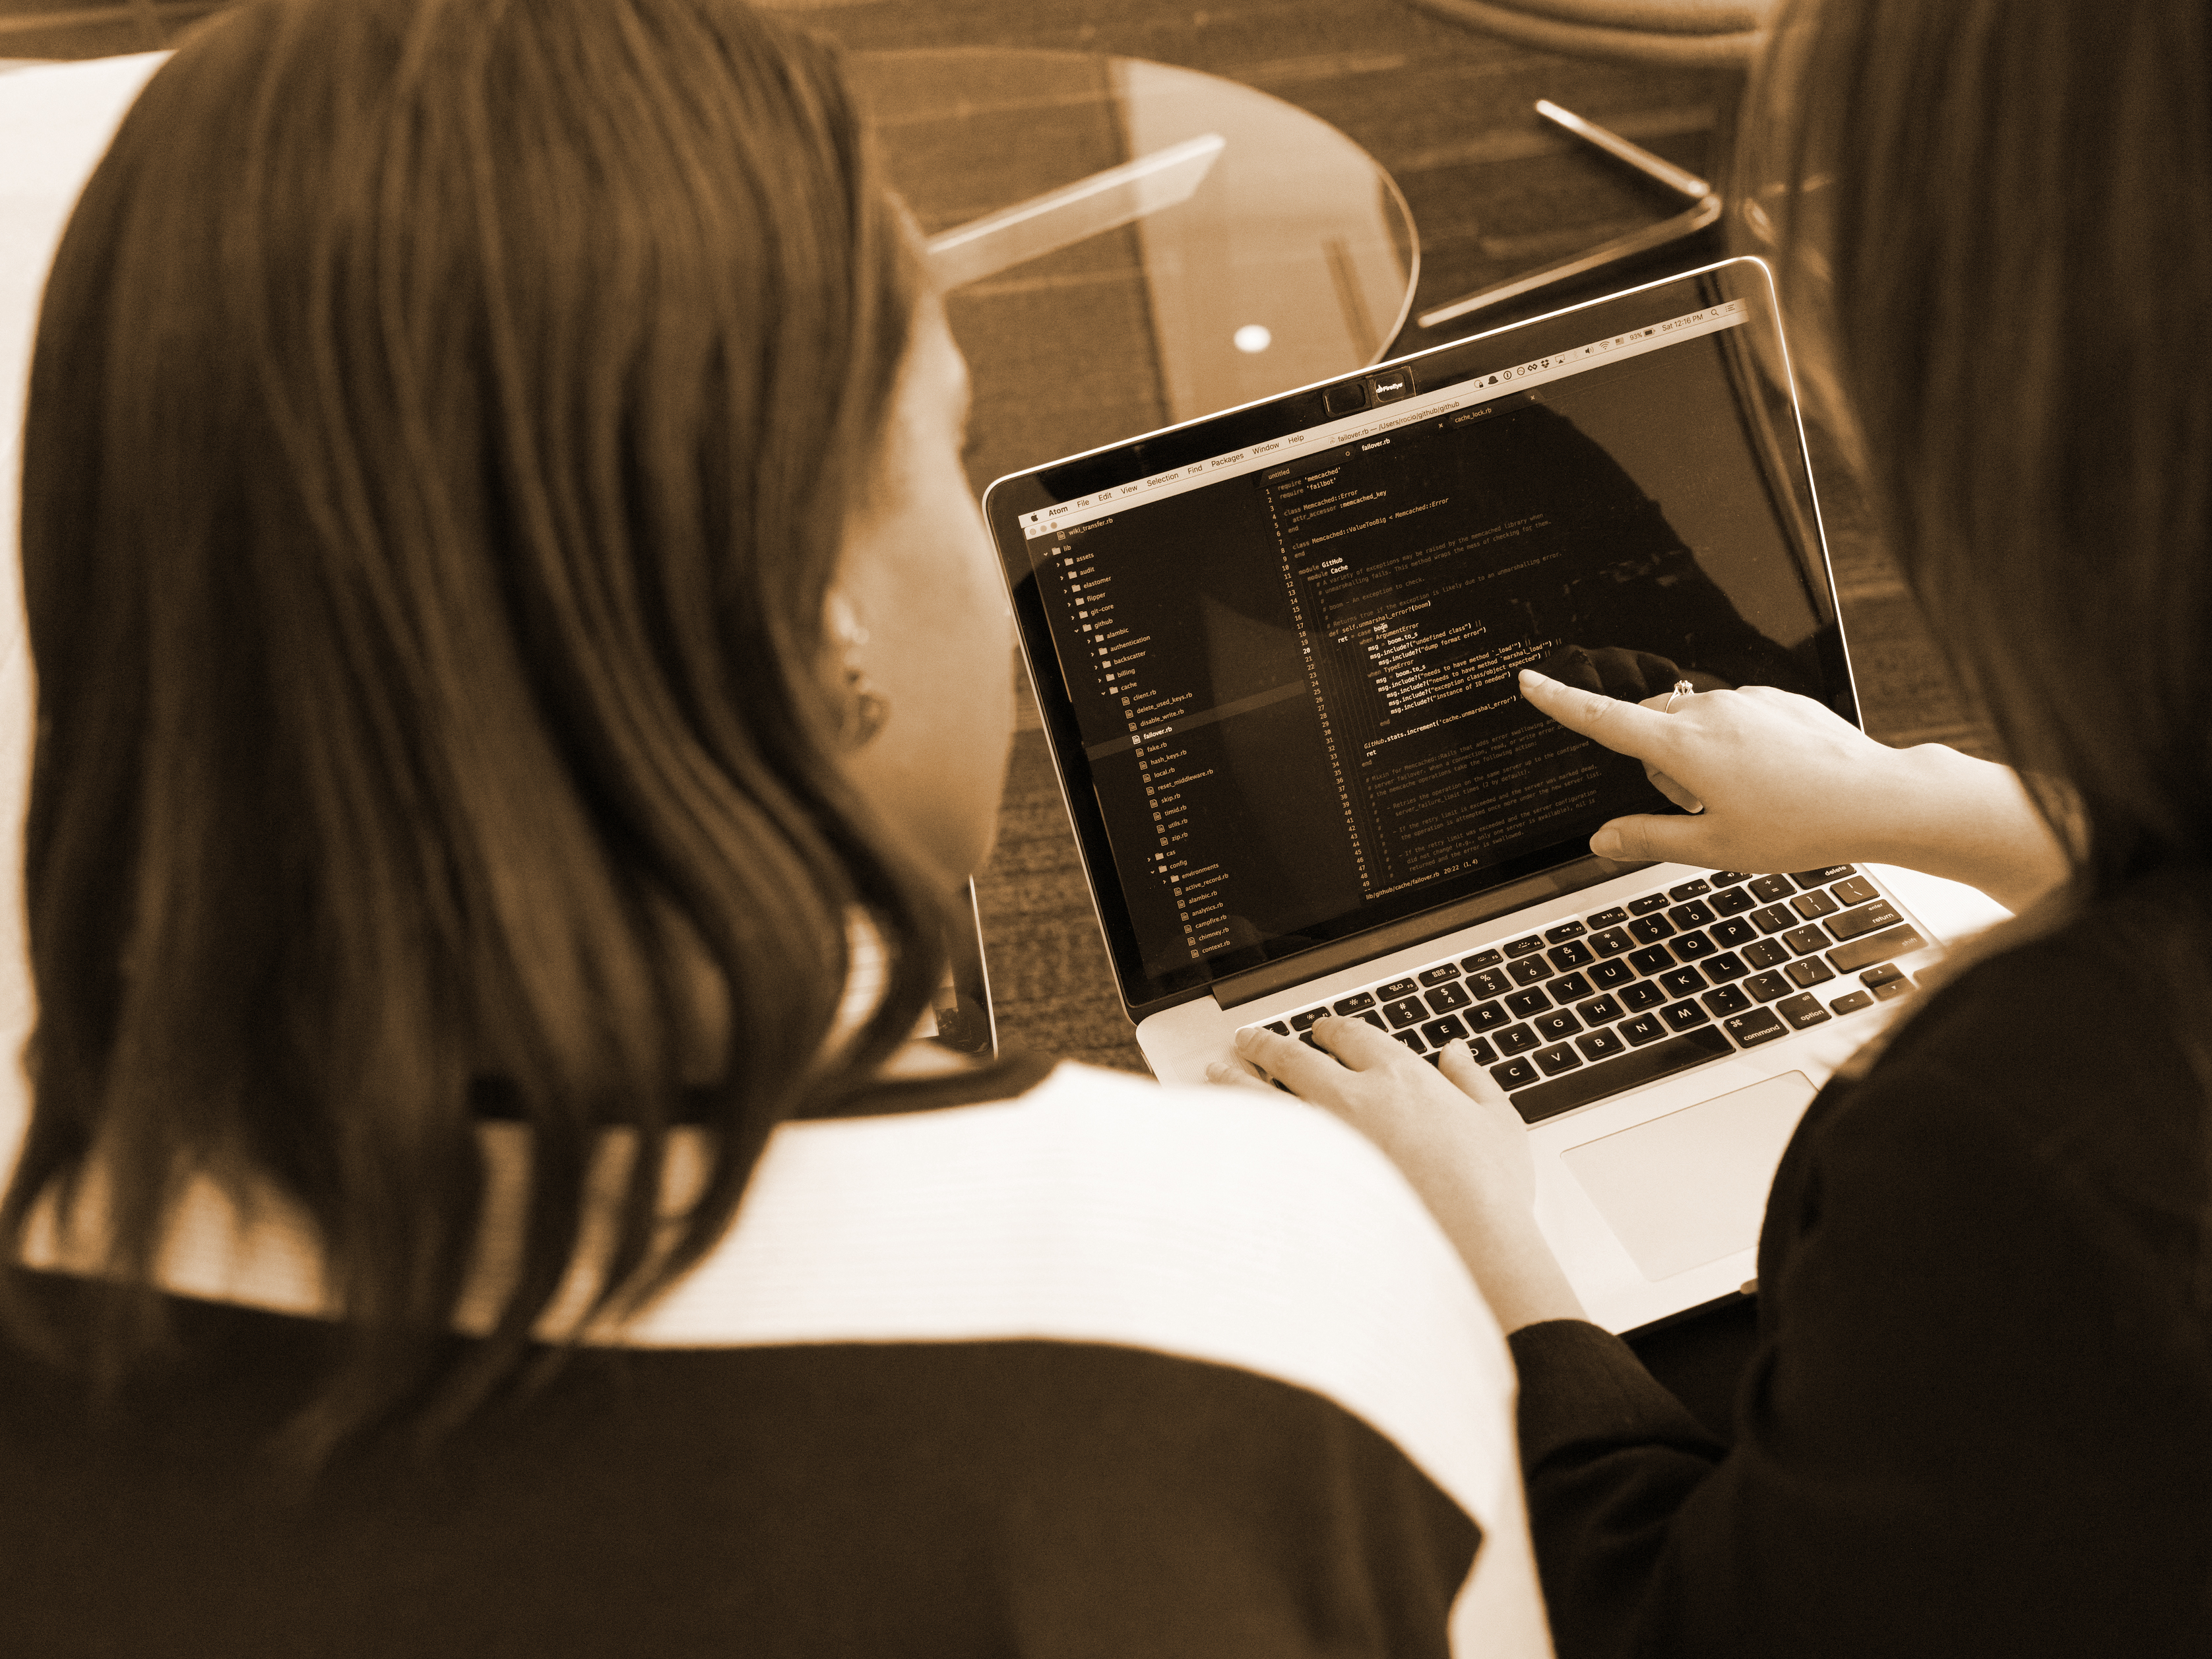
x: 966, y: 1398
x: 1979, y: 1417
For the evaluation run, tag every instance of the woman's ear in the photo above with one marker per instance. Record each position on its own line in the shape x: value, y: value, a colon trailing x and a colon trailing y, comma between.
x: 862, y: 711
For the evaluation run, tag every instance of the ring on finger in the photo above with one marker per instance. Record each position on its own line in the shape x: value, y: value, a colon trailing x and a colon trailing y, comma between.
x: 1682, y: 688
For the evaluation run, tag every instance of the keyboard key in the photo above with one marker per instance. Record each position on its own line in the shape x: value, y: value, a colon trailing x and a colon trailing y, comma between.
x: 1731, y: 901
x: 1853, y: 1003
x: 1881, y: 974
x: 1307, y: 1038
x: 1629, y: 1071
x: 1439, y: 973
x: 1513, y: 1074
x: 1558, y: 1023
x: 1528, y: 970
x: 1820, y: 878
x: 1682, y: 982
x: 1865, y: 919
x: 1601, y: 1046
x: 1728, y: 878
x: 1767, y: 889
x: 1648, y: 930
x: 1523, y: 946
x: 1682, y: 1016
x: 1355, y: 1004
x: 1486, y: 1017
x: 1691, y: 890
x: 1613, y: 917
x: 1727, y: 1000
x: 1724, y: 967
x: 1396, y: 988
x: 1612, y: 941
x: 1410, y: 1011
x: 1642, y: 995
x: 1447, y: 997
x: 1759, y: 1025
x: 1810, y: 970
x: 1599, y: 1010
x: 1559, y: 1058
x: 1481, y: 960
x: 1655, y: 958
x: 1815, y: 904
x: 1518, y: 1039
x: 1647, y: 904
x: 1573, y: 953
x: 1375, y: 1020
x: 1802, y: 1010
x: 1572, y: 987
x: 1729, y: 934
x: 1897, y: 942
x: 1525, y: 1003
x: 1767, y: 986
x: 1278, y: 1028
x: 1489, y: 982
x: 1857, y: 891
x: 1890, y: 989
x: 1564, y: 931
x: 1440, y: 1032
x: 1696, y: 913
x: 1479, y: 1051
x: 1765, y: 953
x: 1691, y: 945
x: 1304, y: 1021
x: 1803, y: 939
x: 1610, y: 976
x: 1644, y: 1028
x: 1773, y: 918
x: 1410, y: 1041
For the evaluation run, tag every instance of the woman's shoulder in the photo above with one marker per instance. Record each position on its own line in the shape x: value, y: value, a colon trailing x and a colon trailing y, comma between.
x: 2079, y: 1058
x: 1086, y: 1176
x: 2113, y: 992
x: 1071, y: 1131
x: 1226, y: 1226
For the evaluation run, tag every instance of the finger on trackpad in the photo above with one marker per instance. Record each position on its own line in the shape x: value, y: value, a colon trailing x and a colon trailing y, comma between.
x: 1691, y: 1187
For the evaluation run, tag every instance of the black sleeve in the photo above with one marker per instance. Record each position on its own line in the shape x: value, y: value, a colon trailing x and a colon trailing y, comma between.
x: 1979, y: 1420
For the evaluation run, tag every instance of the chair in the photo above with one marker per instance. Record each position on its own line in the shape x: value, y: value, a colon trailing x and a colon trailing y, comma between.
x: 1685, y: 33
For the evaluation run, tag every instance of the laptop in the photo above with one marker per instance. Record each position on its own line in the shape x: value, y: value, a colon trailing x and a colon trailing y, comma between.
x: 1275, y: 652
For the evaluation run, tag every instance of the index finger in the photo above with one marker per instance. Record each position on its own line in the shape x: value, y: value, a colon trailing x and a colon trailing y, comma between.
x: 1627, y: 729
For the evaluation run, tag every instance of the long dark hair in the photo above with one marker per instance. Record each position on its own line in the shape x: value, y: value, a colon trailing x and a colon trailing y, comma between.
x: 441, y: 429
x: 1999, y: 237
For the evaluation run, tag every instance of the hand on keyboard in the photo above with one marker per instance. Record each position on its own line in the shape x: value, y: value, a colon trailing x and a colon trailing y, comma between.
x: 1452, y: 1133
x: 1424, y: 1116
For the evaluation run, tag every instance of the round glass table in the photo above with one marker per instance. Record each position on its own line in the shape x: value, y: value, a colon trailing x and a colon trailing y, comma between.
x: 1129, y: 244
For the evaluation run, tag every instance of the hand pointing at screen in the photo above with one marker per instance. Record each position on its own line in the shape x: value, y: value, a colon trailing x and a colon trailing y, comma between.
x: 1786, y: 784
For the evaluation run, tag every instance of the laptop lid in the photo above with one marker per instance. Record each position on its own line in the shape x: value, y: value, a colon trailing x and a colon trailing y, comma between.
x: 1274, y: 650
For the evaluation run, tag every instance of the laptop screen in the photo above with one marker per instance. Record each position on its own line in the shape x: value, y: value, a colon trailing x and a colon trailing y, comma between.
x: 1280, y: 674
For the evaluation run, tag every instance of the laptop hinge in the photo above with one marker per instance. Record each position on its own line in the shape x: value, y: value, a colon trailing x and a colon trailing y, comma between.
x: 1265, y: 981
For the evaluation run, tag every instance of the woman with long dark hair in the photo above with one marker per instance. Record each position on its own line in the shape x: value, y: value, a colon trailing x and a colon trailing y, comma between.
x: 1978, y: 1419
x: 518, y: 668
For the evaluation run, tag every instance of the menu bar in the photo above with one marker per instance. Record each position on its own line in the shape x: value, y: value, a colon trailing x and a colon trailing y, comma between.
x: 1475, y: 389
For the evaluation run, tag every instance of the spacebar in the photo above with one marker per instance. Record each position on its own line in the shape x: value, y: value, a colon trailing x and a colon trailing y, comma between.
x: 1594, y: 1083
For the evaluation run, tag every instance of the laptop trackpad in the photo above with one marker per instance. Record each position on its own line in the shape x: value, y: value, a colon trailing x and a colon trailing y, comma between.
x: 1691, y: 1187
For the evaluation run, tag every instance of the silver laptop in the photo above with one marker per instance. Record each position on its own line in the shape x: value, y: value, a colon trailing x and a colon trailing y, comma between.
x: 1275, y: 652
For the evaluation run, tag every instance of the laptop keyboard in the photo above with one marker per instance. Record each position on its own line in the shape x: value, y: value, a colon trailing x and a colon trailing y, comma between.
x: 1639, y: 991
